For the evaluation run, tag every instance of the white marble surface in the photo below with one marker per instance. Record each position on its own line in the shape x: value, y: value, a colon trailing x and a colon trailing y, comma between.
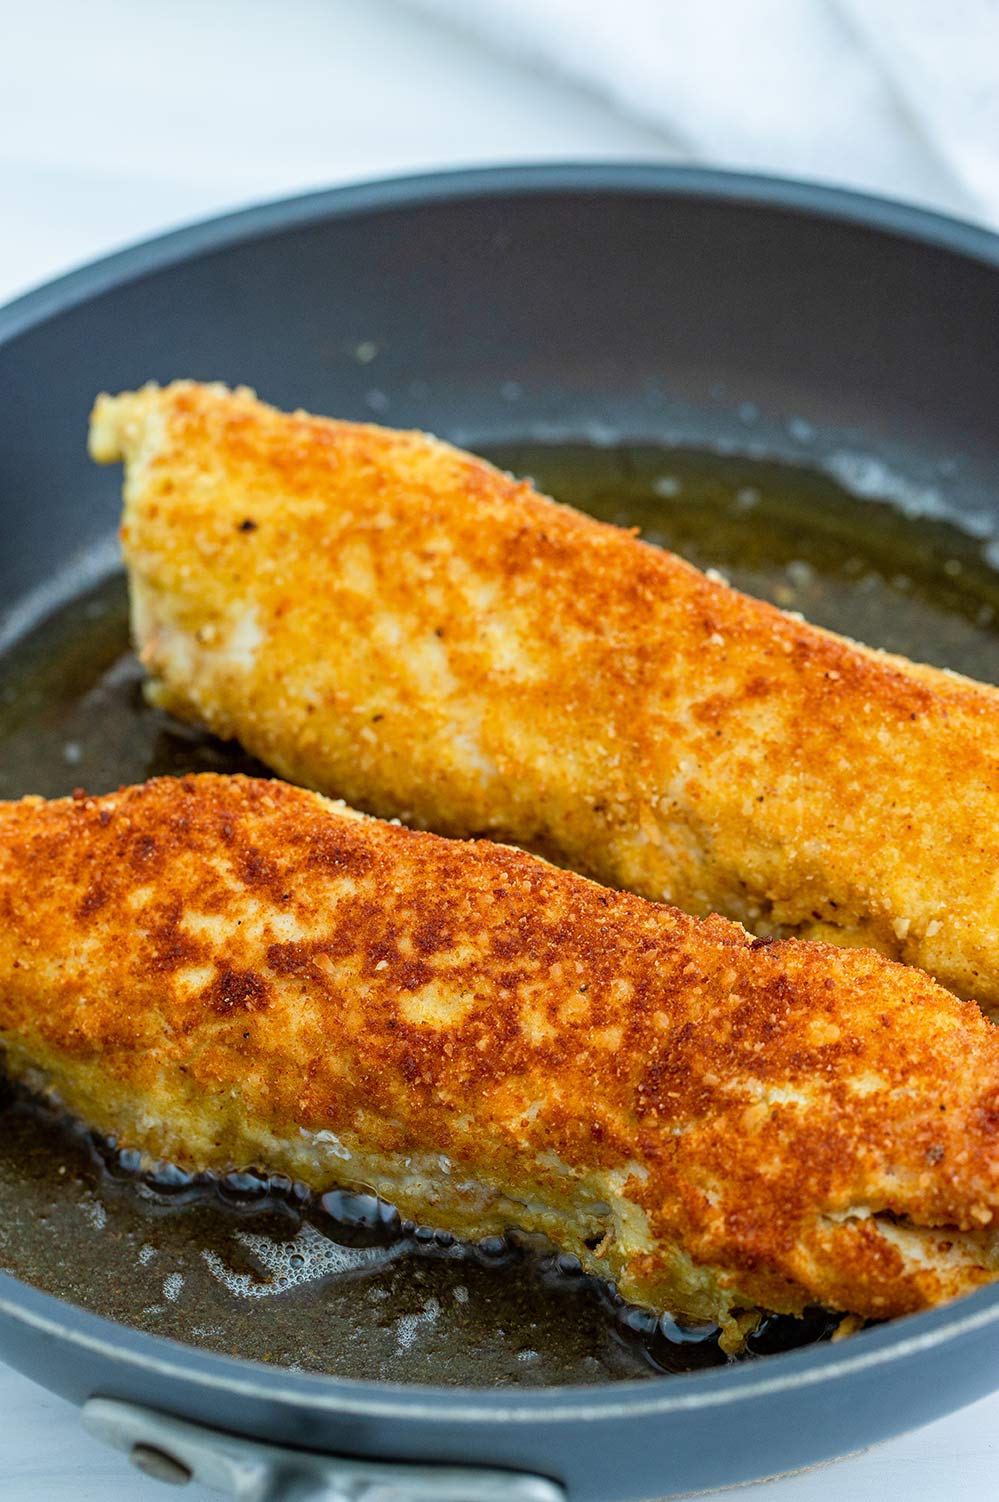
x: 117, y: 120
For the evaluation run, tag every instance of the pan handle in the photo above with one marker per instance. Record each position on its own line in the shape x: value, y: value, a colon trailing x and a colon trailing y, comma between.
x: 173, y: 1450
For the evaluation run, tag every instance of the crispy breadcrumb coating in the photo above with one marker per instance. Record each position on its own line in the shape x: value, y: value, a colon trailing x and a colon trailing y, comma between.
x: 384, y: 618
x: 227, y: 972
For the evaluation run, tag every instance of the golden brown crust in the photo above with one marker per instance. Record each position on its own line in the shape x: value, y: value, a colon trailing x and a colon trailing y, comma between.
x: 382, y: 617
x: 228, y: 971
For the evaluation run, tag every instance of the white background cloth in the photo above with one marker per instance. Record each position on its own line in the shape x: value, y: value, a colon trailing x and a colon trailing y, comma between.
x: 118, y: 119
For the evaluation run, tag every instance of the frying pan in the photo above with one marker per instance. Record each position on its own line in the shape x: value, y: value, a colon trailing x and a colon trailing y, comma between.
x: 664, y: 305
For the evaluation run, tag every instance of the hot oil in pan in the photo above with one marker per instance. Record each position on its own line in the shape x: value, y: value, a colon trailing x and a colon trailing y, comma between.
x: 327, y: 1285
x: 272, y: 1277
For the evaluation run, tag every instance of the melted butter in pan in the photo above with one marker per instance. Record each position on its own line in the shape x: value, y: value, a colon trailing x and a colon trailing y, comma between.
x: 324, y: 1285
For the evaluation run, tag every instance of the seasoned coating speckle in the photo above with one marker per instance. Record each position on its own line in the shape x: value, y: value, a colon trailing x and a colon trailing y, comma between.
x: 384, y: 618
x: 227, y: 973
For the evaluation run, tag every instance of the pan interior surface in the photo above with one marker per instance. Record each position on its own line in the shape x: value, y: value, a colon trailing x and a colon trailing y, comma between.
x: 313, y: 1287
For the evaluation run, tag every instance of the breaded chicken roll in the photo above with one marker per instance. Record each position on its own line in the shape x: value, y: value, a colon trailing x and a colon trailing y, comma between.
x: 384, y: 618
x: 229, y: 973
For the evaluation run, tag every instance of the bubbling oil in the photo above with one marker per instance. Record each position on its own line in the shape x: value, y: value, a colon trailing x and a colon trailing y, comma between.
x: 265, y: 1268
x: 261, y: 1267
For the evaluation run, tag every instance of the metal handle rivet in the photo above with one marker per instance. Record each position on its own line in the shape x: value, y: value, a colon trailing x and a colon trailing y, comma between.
x: 247, y: 1470
x: 159, y: 1465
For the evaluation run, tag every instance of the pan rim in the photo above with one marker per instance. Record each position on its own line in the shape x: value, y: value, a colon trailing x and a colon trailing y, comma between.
x: 135, y: 1349
x: 270, y: 217
x: 158, y: 1355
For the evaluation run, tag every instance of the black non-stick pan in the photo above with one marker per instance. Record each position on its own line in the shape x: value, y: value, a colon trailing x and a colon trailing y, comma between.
x: 796, y: 385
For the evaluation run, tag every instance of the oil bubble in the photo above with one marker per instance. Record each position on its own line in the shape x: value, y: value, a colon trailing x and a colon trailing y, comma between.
x: 308, y: 1256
